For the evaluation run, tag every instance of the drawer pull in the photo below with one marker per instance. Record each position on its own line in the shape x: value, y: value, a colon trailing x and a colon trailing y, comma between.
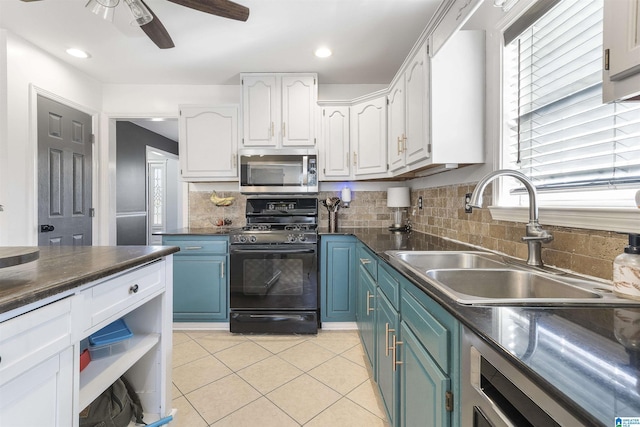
x: 369, y: 296
x: 222, y: 270
x: 192, y: 248
x: 365, y: 261
x: 133, y: 289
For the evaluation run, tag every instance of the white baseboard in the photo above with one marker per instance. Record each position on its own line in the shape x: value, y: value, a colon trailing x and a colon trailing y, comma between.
x: 339, y: 326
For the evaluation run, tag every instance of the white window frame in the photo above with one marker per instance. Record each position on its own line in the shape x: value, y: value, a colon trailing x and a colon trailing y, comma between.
x: 618, y: 219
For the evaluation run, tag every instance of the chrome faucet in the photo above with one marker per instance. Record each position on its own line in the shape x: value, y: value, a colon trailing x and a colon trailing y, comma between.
x: 535, y: 234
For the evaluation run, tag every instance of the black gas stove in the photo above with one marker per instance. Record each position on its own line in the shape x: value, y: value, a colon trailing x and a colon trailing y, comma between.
x: 274, y: 267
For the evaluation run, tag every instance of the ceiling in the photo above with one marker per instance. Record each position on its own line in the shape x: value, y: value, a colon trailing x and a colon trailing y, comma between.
x: 369, y: 38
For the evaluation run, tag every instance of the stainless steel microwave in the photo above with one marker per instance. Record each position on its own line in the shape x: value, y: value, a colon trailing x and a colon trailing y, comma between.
x: 278, y: 171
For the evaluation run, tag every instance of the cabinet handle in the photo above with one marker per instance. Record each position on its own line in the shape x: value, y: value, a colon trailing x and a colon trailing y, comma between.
x: 355, y: 159
x: 284, y: 129
x: 192, y: 248
x: 395, y: 350
x: 369, y: 296
x: 386, y: 339
x: 133, y: 289
x: 365, y: 261
x: 272, y: 134
x: 234, y: 161
x: 399, y: 144
x: 222, y: 269
x: 404, y: 143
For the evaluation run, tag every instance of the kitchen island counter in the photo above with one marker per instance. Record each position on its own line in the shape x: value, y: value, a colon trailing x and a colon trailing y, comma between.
x: 586, y: 357
x: 62, y: 268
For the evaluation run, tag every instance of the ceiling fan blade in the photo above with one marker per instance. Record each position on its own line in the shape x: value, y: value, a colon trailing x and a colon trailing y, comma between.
x: 224, y: 8
x: 156, y: 31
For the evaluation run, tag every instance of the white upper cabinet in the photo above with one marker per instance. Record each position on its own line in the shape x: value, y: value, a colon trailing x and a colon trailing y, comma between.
x: 458, y: 101
x: 409, y: 114
x: 335, y: 151
x: 453, y: 14
x: 208, y: 142
x: 621, y: 43
x: 369, y: 137
x: 279, y: 110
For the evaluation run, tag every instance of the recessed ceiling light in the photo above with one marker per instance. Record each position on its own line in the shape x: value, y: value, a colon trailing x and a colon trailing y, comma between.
x: 78, y: 53
x: 323, y: 52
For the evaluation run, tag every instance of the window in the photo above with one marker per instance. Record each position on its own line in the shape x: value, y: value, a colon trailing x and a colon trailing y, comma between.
x: 578, y: 151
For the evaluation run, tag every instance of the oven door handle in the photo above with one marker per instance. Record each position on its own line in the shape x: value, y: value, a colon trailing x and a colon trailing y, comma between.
x: 272, y: 251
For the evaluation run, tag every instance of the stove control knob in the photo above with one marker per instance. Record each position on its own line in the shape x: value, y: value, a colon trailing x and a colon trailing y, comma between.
x: 242, y: 239
x: 252, y: 239
x: 302, y: 238
x: 291, y: 238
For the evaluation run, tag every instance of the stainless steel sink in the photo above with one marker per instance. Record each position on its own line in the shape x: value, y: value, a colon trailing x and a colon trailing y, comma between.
x: 476, y: 286
x: 479, y: 278
x: 429, y: 260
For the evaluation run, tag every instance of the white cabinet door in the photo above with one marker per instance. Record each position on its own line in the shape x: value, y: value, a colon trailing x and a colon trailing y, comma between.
x: 260, y: 114
x: 417, y: 142
x: 208, y: 142
x: 396, y: 112
x: 279, y: 110
x: 335, y: 147
x: 621, y: 43
x: 298, y: 111
x: 369, y: 137
x: 41, y: 396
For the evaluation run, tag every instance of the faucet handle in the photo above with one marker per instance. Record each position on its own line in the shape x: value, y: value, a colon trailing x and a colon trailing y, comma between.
x: 544, y: 237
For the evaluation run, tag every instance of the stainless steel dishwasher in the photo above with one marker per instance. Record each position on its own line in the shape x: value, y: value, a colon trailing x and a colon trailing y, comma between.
x: 496, y: 394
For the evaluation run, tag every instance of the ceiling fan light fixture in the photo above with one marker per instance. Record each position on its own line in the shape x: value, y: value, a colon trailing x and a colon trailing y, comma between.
x: 141, y: 15
x: 103, y: 8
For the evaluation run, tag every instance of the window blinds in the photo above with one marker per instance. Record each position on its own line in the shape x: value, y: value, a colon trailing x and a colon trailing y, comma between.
x: 560, y: 133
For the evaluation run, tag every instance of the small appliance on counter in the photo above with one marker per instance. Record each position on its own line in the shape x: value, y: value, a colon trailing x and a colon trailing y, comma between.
x: 398, y: 198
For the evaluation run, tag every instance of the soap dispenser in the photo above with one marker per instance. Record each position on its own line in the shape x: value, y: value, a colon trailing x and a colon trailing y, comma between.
x: 626, y: 270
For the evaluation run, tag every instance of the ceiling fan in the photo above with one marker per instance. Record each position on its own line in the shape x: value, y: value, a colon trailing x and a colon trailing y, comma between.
x: 152, y: 26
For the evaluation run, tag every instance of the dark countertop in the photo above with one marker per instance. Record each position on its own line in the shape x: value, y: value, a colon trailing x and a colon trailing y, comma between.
x: 587, y: 358
x: 61, y: 268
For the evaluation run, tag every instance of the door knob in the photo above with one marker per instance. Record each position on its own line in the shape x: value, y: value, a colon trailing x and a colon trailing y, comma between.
x: 45, y: 228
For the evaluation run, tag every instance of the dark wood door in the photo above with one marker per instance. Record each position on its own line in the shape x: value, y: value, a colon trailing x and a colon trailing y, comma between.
x: 64, y: 174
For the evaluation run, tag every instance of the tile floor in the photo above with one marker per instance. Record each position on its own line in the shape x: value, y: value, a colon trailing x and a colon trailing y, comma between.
x: 221, y: 379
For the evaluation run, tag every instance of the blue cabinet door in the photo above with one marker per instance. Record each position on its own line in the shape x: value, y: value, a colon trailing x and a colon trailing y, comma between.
x: 366, y: 310
x: 200, y: 288
x: 387, y: 333
x: 423, y: 386
x: 338, y: 278
x: 200, y: 278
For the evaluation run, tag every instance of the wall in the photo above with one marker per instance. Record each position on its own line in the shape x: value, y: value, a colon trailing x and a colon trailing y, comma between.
x: 25, y: 70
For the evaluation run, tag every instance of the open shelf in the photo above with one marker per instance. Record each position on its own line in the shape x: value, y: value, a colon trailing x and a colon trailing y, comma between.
x: 101, y: 373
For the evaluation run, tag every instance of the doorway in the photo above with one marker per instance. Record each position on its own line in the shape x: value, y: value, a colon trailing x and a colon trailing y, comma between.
x: 64, y: 174
x: 163, y: 194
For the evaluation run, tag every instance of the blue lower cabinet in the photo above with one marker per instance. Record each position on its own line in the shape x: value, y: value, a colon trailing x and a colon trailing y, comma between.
x: 200, y: 278
x: 338, y: 278
x: 366, y: 313
x: 387, y: 337
x: 423, y: 386
x: 412, y: 344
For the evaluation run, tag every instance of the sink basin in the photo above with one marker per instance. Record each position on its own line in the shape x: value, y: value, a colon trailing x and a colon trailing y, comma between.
x: 429, y: 260
x: 480, y: 278
x: 475, y: 286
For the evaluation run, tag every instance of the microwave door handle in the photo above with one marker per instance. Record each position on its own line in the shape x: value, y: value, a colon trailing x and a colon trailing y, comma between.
x: 305, y: 170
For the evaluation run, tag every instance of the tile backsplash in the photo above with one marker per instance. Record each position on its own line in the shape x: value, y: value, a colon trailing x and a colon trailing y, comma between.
x: 589, y: 252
